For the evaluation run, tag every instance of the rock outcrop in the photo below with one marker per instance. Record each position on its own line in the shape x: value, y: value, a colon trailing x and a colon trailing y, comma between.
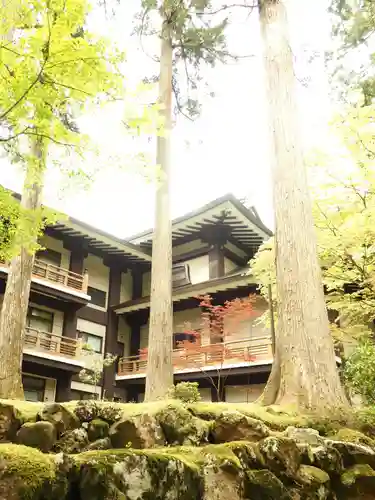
x: 171, y: 451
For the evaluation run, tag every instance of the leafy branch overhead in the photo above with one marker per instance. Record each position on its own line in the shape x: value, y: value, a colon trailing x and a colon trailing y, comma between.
x: 196, y: 29
x: 52, y: 68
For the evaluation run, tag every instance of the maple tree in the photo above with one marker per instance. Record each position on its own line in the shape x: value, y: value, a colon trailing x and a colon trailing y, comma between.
x: 219, y: 324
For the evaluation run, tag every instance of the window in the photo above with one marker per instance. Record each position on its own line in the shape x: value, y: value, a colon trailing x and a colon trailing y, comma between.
x: 49, y: 257
x: 40, y: 319
x: 94, y: 342
x: 180, y: 275
x: 82, y: 396
x: 98, y: 297
x: 183, y: 337
x: 33, y: 388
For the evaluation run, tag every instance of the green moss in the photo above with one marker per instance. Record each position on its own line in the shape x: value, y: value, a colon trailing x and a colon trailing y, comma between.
x: 276, y: 418
x: 350, y: 476
x: 181, y: 427
x: 353, y: 436
x: 263, y: 485
x: 26, y: 469
x: 143, y: 474
x: 27, y: 410
x: 313, y: 475
x: 98, y: 429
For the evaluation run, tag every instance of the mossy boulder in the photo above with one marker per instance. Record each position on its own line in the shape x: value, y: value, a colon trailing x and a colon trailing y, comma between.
x: 73, y: 441
x: 99, y: 444
x: 139, y: 431
x: 264, y: 485
x: 180, y: 427
x: 41, y: 435
x: 324, y: 457
x: 28, y: 474
x: 310, y: 437
x: 97, y: 429
x: 314, y: 483
x: 87, y: 411
x: 10, y: 422
x: 123, y: 474
x: 358, y: 482
x: 353, y: 453
x: 234, y: 426
x: 353, y: 436
x: 63, y: 419
x: 280, y: 454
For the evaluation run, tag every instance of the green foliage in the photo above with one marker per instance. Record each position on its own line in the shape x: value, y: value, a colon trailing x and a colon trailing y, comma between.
x: 344, y: 210
x: 87, y: 411
x: 359, y: 371
x: 52, y: 69
x: 354, y: 25
x: 95, y: 366
x: 187, y: 392
x: 196, y: 30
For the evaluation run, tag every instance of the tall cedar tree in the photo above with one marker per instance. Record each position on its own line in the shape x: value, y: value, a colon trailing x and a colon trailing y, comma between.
x: 189, y: 37
x: 52, y: 68
x: 304, y: 371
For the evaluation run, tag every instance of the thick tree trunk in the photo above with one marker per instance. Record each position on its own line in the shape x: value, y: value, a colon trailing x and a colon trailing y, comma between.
x: 304, y: 372
x: 159, y: 378
x: 17, y: 291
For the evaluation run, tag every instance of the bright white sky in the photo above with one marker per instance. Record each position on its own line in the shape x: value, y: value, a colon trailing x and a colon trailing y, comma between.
x: 224, y: 151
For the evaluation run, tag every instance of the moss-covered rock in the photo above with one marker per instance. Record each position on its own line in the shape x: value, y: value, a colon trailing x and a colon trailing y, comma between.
x: 99, y: 444
x: 324, y: 457
x: 140, y: 431
x: 234, y: 426
x: 180, y: 427
x: 314, y: 483
x: 280, y: 454
x: 264, y: 485
x: 73, y: 441
x: 28, y: 474
x: 10, y: 421
x: 125, y: 474
x: 310, y: 437
x: 41, y: 435
x: 63, y: 419
x: 353, y: 436
x: 86, y: 411
x: 353, y: 453
x: 98, y: 429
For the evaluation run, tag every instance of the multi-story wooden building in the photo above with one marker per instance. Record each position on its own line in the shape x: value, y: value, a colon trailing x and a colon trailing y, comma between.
x: 90, y: 288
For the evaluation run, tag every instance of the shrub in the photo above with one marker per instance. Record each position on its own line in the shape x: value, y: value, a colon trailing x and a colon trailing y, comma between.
x: 359, y: 371
x: 187, y: 392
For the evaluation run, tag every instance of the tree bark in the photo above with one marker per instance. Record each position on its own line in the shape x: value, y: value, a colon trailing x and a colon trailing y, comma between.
x: 304, y: 371
x: 17, y: 291
x: 159, y: 377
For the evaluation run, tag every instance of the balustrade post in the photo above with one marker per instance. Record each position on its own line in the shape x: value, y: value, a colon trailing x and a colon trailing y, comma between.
x: 85, y: 281
x: 58, y: 345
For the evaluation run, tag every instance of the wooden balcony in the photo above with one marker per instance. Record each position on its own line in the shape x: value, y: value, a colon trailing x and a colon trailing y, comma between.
x: 57, y: 345
x: 196, y: 357
x: 58, y: 276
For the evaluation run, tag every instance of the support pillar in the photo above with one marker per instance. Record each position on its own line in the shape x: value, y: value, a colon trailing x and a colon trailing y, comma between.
x: 70, y: 323
x: 216, y: 261
x: 76, y: 265
x: 112, y: 346
x: 216, y: 236
x: 63, y: 389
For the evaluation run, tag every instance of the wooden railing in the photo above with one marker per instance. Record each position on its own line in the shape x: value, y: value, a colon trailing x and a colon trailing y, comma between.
x: 59, y: 276
x: 196, y: 357
x: 49, y: 342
